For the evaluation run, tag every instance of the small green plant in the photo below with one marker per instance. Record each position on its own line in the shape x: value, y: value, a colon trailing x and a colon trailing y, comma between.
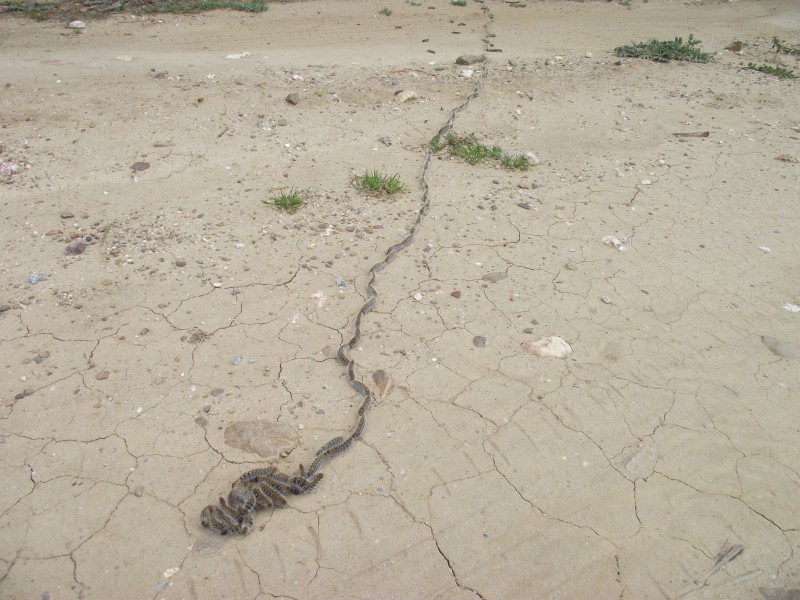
x: 436, y: 144
x: 781, y: 72
x: 515, y: 161
x: 782, y: 47
x: 472, y: 151
x: 377, y: 183
x: 290, y: 201
x: 458, y: 2
x: 386, y: 11
x: 412, y: 3
x: 665, y: 51
x: 468, y: 148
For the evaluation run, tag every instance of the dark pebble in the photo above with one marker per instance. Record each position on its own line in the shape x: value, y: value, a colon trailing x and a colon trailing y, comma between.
x: 75, y: 247
x: 525, y: 205
x: 4, y: 307
x: 137, y: 167
x: 19, y: 396
x: 67, y: 215
x: 469, y: 59
x: 202, y: 421
x: 479, y: 341
x: 456, y: 294
x: 293, y: 98
x: 180, y: 263
x: 217, y: 392
x: 102, y: 375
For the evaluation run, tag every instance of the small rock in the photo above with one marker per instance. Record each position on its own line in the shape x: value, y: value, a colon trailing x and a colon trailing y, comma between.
x: 479, y: 341
x: 102, y: 375
x: 406, y: 96
x: 532, y: 158
x: 138, y: 491
x: 495, y: 277
x: 237, y: 360
x: 217, y: 392
x: 554, y: 347
x: 588, y: 55
x: 383, y: 381
x: 67, y: 215
x: 340, y: 282
x: 606, y: 300
x: 4, y: 307
x: 19, y: 396
x: 206, y: 408
x: 525, y: 205
x: 571, y: 266
x: 293, y: 98
x: 138, y: 167
x: 75, y: 247
x: 418, y: 296
x: 456, y: 294
x: 77, y: 25
x: 202, y: 421
x: 782, y: 348
x: 43, y: 354
x: 469, y: 59
x: 27, y: 391
x: 35, y: 278
x: 144, y: 331
x: 180, y: 262
x: 528, y: 330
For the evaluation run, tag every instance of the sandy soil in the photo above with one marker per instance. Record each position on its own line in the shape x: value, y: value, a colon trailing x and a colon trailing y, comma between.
x: 195, y: 337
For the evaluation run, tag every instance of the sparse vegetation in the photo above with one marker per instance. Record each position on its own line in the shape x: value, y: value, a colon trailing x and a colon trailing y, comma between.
x: 518, y: 162
x: 190, y: 6
x: 31, y: 8
x: 377, y: 183
x: 471, y: 150
x: 290, y: 201
x: 386, y: 11
x: 782, y: 47
x: 458, y: 2
x: 41, y: 10
x: 665, y: 51
x: 437, y: 144
x: 781, y: 72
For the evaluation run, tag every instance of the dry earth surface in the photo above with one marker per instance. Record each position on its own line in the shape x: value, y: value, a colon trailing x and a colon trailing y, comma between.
x: 195, y: 336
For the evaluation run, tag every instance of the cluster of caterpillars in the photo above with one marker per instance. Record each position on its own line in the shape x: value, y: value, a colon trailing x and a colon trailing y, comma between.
x: 266, y: 488
x: 256, y: 489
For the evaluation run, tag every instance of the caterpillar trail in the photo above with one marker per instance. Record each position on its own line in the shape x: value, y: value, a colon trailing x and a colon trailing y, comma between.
x: 266, y: 488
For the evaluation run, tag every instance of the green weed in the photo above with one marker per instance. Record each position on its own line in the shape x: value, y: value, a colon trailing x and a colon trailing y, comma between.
x: 377, y: 183
x: 665, y: 51
x: 290, y: 201
x: 781, y: 72
x: 386, y: 11
x: 782, y: 47
x: 436, y: 144
x: 190, y: 6
x: 515, y: 161
x: 458, y: 2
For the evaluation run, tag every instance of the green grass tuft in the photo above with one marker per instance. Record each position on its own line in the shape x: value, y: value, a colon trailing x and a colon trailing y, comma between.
x: 458, y: 2
x: 290, y: 201
x: 665, y: 51
x: 386, y: 11
x: 515, y: 161
x: 377, y: 183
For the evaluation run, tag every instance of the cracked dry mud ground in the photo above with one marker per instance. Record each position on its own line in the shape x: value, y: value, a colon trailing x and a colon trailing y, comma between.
x: 624, y: 471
